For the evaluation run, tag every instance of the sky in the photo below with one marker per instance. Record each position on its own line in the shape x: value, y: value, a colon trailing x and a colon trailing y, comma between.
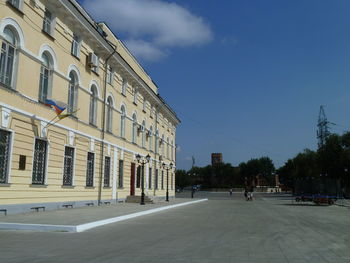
x: 246, y: 78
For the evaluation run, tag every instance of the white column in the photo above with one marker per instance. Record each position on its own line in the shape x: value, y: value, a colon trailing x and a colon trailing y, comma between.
x: 115, y: 169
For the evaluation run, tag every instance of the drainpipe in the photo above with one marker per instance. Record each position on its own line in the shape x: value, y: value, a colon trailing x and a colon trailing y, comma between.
x: 104, y: 124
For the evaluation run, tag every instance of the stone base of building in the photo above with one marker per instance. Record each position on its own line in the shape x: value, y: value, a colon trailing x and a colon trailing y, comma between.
x: 39, y: 207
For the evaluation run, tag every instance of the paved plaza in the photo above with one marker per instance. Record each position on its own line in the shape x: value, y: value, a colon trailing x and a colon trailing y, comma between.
x: 223, y: 229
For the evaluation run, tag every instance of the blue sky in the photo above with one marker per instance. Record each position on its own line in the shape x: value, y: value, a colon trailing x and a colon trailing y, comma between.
x: 246, y: 78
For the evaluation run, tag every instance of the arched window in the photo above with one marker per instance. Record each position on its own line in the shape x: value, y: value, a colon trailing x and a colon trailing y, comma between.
x: 134, y: 128
x: 8, y: 56
x: 143, y: 139
x: 93, y: 105
x: 72, y: 92
x: 163, y: 142
x: 122, y: 121
x: 150, y: 136
x: 172, y: 150
x: 157, y: 142
x: 45, y: 77
x: 109, y: 114
x: 167, y: 148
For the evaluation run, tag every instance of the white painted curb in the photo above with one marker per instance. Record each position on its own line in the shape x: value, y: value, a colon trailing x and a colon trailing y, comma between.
x: 87, y: 226
x: 38, y: 227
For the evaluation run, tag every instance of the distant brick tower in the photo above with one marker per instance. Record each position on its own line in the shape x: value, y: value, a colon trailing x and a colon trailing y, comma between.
x: 216, y: 158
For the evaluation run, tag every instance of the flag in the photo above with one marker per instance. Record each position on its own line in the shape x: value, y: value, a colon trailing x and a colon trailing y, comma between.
x: 58, y: 106
x: 62, y: 116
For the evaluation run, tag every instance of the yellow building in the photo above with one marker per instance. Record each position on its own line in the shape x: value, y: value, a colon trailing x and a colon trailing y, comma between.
x: 53, y: 50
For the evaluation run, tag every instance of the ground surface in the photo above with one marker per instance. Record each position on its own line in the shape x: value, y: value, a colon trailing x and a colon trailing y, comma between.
x: 223, y: 229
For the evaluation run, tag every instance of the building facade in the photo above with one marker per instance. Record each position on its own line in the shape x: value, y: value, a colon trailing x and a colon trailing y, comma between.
x: 53, y: 50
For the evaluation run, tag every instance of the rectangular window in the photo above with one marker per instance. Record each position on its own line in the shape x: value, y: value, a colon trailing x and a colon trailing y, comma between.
x: 162, y: 182
x: 15, y: 3
x: 39, y: 161
x: 156, y: 180
x: 47, y: 24
x: 124, y: 86
x: 109, y: 75
x: 68, y: 166
x: 75, y: 46
x: 97, y: 64
x: 172, y: 181
x: 150, y: 178
x: 107, y: 171
x: 5, y: 144
x: 121, y: 174
x: 90, y: 169
x: 6, y: 63
x: 138, y: 177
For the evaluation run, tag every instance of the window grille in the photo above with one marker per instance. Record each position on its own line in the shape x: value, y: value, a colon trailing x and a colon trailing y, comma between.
x: 5, y: 140
x: 107, y: 171
x: 138, y: 177
x: 149, y: 178
x: 162, y: 182
x: 68, y: 166
x: 172, y: 182
x: 90, y: 169
x: 156, y: 180
x: 39, y: 162
x: 47, y: 22
x: 121, y: 173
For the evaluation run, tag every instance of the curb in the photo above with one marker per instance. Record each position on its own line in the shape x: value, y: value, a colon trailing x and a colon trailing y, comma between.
x: 87, y: 226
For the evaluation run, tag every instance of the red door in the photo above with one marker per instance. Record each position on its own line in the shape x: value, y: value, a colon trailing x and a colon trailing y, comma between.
x: 132, y: 179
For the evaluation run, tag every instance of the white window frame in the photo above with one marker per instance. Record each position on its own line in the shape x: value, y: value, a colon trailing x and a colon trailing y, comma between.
x: 19, y: 6
x: 109, y: 115
x: 49, y: 23
x: 76, y: 44
x: 72, y: 106
x: 122, y: 121
x: 134, y: 128
x: 93, y: 105
x: 97, y: 67
x: 124, y: 86
x: 150, y: 138
x: 110, y: 75
x: 14, y: 66
x: 49, y: 69
x: 136, y: 94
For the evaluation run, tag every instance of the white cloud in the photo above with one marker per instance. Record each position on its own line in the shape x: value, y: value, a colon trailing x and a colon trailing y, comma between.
x: 145, y: 49
x: 152, y: 26
x: 178, y: 149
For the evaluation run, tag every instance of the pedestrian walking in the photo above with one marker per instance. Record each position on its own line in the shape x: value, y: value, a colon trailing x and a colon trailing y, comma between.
x: 231, y: 191
x: 246, y: 194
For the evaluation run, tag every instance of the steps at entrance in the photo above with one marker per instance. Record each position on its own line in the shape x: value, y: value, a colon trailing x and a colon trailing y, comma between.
x: 137, y: 199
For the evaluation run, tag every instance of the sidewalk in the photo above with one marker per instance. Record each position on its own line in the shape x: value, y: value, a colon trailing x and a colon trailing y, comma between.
x: 81, y: 219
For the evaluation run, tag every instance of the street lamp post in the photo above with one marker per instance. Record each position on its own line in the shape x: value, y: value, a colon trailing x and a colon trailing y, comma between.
x: 167, y: 168
x: 143, y: 161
